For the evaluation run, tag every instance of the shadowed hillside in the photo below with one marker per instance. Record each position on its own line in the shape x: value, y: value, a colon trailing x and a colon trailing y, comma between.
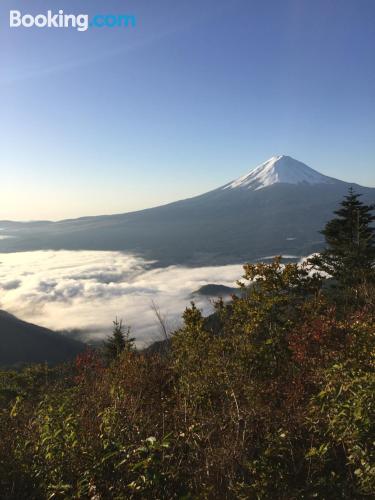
x: 22, y: 342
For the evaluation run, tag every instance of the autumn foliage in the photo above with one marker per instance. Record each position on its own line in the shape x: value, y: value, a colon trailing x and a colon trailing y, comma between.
x: 273, y: 397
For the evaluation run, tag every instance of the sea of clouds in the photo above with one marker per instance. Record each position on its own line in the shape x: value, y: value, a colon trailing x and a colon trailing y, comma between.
x: 82, y: 292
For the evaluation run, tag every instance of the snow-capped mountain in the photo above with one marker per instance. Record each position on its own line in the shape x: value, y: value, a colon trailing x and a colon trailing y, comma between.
x: 279, y: 169
x: 280, y: 207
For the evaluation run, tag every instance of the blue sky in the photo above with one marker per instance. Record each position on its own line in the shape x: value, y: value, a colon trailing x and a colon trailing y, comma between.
x: 200, y: 92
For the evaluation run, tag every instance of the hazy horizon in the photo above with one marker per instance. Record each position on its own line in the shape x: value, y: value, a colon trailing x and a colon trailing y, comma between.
x: 143, y: 207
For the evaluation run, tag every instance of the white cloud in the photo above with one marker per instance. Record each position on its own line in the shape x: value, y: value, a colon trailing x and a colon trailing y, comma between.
x: 86, y: 290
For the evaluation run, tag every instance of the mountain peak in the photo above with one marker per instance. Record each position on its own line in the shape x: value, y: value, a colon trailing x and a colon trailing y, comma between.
x: 279, y: 169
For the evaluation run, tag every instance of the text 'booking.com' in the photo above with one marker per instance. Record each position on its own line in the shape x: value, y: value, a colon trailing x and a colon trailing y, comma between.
x: 80, y: 22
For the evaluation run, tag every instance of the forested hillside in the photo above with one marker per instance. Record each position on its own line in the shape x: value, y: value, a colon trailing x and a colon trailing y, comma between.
x: 275, y: 399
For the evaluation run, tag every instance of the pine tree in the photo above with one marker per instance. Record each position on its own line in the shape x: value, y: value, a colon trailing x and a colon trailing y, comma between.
x: 118, y: 342
x: 350, y: 253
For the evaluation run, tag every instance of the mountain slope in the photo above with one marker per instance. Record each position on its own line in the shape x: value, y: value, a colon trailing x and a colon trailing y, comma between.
x: 22, y: 342
x: 278, y: 208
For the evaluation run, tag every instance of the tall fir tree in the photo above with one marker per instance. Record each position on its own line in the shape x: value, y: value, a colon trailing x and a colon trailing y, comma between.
x: 350, y: 253
x: 118, y: 342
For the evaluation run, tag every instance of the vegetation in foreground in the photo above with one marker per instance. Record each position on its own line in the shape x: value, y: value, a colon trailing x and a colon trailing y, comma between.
x: 272, y: 398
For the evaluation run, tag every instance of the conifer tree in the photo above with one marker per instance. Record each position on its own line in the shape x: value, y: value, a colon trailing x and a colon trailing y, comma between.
x: 350, y: 253
x: 118, y: 342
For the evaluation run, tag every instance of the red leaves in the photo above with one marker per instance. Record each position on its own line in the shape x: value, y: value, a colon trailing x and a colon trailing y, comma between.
x: 318, y: 338
x: 88, y: 364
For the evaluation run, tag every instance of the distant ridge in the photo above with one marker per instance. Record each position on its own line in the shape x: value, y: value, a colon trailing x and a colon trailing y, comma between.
x: 278, y: 208
x: 22, y: 342
x: 215, y: 290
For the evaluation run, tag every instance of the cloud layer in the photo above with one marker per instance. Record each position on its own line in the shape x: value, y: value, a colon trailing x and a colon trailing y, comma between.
x: 86, y: 290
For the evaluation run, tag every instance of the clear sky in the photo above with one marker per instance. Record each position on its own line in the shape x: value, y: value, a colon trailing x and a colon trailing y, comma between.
x: 198, y: 93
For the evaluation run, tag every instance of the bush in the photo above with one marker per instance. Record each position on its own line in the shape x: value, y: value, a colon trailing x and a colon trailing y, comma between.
x: 271, y: 398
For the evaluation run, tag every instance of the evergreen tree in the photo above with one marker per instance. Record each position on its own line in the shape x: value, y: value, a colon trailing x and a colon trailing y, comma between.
x: 350, y: 253
x: 118, y: 342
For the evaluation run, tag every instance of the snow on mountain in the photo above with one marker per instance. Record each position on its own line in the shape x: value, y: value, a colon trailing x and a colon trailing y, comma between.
x: 277, y: 209
x: 279, y: 169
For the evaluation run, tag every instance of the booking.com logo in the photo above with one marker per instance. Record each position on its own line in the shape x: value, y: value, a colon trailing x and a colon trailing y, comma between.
x: 81, y: 22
